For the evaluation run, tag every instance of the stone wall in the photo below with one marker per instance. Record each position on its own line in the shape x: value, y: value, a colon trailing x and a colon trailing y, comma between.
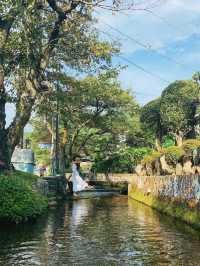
x: 114, y: 178
x: 56, y: 184
x: 186, y: 187
x: 178, y: 196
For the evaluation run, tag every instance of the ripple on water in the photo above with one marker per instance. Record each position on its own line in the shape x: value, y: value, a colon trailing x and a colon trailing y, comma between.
x: 109, y: 231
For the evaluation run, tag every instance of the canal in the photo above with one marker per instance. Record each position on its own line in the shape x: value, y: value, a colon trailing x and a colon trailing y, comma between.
x: 101, y: 231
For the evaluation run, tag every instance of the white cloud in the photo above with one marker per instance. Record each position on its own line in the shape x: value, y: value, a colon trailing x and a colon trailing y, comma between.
x: 170, y: 29
x: 171, y: 21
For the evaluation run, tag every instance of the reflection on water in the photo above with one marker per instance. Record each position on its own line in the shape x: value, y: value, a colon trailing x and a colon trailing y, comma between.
x: 103, y: 231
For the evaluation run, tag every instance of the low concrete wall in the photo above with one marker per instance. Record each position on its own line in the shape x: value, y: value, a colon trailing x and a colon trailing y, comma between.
x: 56, y: 184
x: 178, y: 196
x: 114, y: 178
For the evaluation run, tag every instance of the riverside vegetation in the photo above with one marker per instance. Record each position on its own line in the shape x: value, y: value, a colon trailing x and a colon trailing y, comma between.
x: 44, y: 46
x: 19, y: 199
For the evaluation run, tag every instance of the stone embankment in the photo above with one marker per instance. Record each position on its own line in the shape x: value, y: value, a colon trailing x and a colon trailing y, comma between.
x: 178, y: 196
x: 114, y: 178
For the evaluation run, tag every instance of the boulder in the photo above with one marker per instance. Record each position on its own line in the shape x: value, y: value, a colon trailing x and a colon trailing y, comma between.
x: 157, y: 169
x: 187, y: 167
x: 179, y: 169
x: 196, y: 170
x: 149, y: 169
x: 165, y: 168
x: 139, y: 169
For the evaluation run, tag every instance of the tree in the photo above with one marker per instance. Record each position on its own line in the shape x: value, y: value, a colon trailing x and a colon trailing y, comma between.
x: 95, y: 114
x: 36, y: 37
x: 151, y: 121
x: 196, y: 77
x: 177, y: 109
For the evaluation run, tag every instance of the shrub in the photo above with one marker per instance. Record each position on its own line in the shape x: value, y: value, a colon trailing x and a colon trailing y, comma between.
x: 18, y: 199
x: 191, y: 144
x: 123, y: 161
x: 173, y: 154
x: 151, y: 157
x: 168, y: 141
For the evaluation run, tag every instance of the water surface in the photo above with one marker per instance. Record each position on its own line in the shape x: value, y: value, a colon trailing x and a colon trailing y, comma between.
x: 102, y: 231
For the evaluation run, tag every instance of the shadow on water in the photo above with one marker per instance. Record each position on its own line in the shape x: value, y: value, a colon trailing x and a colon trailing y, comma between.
x: 101, y: 231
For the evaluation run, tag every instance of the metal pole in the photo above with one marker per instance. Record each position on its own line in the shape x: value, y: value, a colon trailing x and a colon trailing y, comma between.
x: 57, y: 133
x: 57, y: 144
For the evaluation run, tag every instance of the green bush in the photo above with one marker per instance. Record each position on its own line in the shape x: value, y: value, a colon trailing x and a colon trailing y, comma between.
x: 123, y: 161
x: 168, y: 141
x: 151, y: 157
x: 19, y: 201
x: 191, y: 144
x: 173, y: 154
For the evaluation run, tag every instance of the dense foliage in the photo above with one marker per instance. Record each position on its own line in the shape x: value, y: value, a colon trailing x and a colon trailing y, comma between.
x: 173, y: 154
x: 174, y: 116
x: 100, y: 120
x: 37, y: 39
x: 19, y: 201
x: 123, y: 161
x: 151, y: 122
x: 96, y: 117
x: 177, y: 108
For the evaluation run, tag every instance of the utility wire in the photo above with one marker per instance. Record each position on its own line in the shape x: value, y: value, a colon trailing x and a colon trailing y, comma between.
x: 169, y: 24
x: 136, y: 65
x: 140, y: 43
x: 146, y: 46
x: 163, y: 19
x: 144, y: 70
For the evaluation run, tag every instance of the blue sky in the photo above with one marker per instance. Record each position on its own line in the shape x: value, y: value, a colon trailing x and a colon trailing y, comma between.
x: 171, y: 30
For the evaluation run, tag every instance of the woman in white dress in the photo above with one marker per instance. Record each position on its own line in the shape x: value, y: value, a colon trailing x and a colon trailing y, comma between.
x: 78, y: 183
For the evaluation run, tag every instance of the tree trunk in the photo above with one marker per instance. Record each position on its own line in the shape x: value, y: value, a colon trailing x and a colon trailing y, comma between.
x: 10, y: 137
x: 63, y: 151
x: 179, y: 139
x: 158, y: 139
x: 4, y: 148
x: 23, y: 114
x: 157, y: 144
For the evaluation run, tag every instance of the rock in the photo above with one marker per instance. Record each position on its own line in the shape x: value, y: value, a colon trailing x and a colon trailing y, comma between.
x: 187, y: 167
x: 166, y: 169
x: 179, y: 169
x: 149, y: 169
x: 139, y: 169
x: 196, y: 169
x: 157, y: 170
x: 196, y: 156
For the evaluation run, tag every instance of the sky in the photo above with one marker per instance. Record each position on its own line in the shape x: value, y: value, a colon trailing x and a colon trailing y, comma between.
x: 164, y: 42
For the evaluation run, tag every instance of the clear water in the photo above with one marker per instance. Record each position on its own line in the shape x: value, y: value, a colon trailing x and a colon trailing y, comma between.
x: 103, y: 231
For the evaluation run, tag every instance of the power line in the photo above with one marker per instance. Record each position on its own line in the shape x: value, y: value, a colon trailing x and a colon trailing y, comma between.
x: 169, y: 24
x: 138, y: 66
x: 163, y: 19
x: 144, y: 70
x: 146, y: 46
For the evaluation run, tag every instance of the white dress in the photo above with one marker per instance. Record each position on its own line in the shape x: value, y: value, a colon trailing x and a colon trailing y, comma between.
x: 78, y: 183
